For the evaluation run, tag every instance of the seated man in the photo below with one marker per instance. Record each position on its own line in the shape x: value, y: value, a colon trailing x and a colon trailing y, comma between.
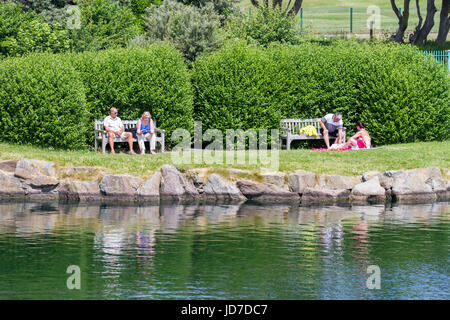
x: 114, y: 126
x: 332, y: 126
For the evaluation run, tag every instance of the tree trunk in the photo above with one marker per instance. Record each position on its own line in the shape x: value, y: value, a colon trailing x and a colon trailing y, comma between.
x: 412, y: 38
x: 295, y: 8
x: 444, y: 24
x: 402, y: 19
x: 255, y: 3
x: 422, y: 35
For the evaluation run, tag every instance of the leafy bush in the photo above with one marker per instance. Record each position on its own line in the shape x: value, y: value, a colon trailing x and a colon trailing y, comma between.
x: 42, y: 102
x: 23, y: 32
x: 224, y: 8
x: 402, y: 95
x: 138, y: 79
x: 267, y: 25
x: 104, y: 24
x: 190, y: 29
x: 236, y: 88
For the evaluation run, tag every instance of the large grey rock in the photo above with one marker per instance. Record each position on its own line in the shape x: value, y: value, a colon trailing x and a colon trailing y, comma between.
x: 300, y: 180
x: 320, y: 194
x: 174, y: 186
x: 120, y: 185
x: 328, y: 181
x: 11, y: 186
x: 370, y: 190
x: 43, y: 182
x: 371, y: 174
x: 412, y: 185
x: 150, y: 190
x: 388, y: 177
x: 80, y: 190
x: 219, y: 188
x: 198, y: 176
x: 82, y: 170
x: 265, y: 191
x: 8, y: 165
x: 277, y: 178
x: 28, y: 169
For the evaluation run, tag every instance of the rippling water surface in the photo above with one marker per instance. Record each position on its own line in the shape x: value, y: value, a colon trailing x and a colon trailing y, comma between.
x: 244, y: 251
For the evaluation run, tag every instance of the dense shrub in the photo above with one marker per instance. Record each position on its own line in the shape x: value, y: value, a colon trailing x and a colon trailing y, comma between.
x: 23, y: 32
x: 105, y: 24
x: 265, y: 26
x: 224, y: 8
x: 401, y: 95
x: 190, y: 29
x: 235, y: 88
x: 42, y: 102
x: 138, y: 79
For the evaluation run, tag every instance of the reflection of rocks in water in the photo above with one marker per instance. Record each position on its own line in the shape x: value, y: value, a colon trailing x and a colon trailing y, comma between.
x: 268, y: 213
x: 216, y: 213
x: 173, y: 214
x: 423, y: 213
x: 373, y: 213
x: 329, y: 214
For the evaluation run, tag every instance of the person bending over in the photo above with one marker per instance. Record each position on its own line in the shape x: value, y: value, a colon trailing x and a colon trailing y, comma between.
x: 332, y: 126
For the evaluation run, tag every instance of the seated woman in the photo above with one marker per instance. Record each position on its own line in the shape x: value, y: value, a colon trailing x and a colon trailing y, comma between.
x: 146, y: 131
x: 361, y: 140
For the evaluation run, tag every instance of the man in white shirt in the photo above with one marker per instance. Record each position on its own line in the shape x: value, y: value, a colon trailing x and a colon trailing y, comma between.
x: 332, y: 126
x: 114, y: 126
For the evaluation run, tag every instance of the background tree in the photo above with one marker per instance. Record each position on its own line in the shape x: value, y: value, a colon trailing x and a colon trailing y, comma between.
x: 402, y: 19
x: 290, y: 11
x: 444, y: 24
x: 25, y: 31
x: 190, y: 29
x: 422, y: 31
x: 105, y: 24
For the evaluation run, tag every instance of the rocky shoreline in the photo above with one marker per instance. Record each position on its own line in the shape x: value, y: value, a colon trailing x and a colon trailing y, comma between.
x: 36, y: 179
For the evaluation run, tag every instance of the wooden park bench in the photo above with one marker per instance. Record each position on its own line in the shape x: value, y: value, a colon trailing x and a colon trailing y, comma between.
x: 102, y: 137
x: 290, y: 130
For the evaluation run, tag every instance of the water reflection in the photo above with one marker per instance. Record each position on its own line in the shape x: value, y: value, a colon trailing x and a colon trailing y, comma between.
x: 224, y: 251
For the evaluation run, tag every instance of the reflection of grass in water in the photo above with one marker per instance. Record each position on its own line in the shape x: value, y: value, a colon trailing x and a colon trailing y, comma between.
x: 401, y: 156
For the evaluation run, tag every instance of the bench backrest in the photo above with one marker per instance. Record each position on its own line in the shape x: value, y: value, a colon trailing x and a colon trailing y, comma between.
x: 127, y: 124
x: 294, y: 125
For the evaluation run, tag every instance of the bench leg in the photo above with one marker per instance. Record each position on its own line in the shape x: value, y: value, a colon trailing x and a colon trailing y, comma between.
x: 288, y: 144
x: 96, y: 145
x: 162, y: 143
x: 104, y: 146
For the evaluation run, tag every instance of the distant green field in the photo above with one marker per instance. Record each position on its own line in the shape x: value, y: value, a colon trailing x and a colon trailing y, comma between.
x: 327, y: 16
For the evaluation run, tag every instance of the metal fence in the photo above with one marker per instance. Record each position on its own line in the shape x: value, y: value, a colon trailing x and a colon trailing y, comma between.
x: 442, y: 56
x: 354, y: 20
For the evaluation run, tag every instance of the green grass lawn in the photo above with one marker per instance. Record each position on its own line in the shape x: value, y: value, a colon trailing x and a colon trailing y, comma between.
x: 400, y: 156
x: 326, y: 16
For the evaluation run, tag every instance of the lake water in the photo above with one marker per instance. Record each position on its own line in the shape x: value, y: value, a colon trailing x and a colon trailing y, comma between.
x: 243, y: 251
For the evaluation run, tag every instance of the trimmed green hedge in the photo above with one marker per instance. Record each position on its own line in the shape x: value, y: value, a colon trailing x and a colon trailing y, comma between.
x: 42, y: 102
x: 51, y: 100
x: 400, y: 94
x: 138, y: 79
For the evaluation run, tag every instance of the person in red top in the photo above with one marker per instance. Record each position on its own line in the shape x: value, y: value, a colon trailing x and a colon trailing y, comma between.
x: 361, y: 140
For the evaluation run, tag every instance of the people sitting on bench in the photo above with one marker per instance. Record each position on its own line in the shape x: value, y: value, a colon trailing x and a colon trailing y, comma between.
x: 114, y: 127
x: 145, y: 130
x: 361, y: 140
x: 332, y: 126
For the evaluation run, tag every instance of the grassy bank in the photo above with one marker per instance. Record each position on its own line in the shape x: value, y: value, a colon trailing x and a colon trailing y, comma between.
x: 400, y: 156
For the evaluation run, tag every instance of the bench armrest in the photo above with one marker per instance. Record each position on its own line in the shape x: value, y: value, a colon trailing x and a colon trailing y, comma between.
x: 285, y: 130
x: 160, y: 130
